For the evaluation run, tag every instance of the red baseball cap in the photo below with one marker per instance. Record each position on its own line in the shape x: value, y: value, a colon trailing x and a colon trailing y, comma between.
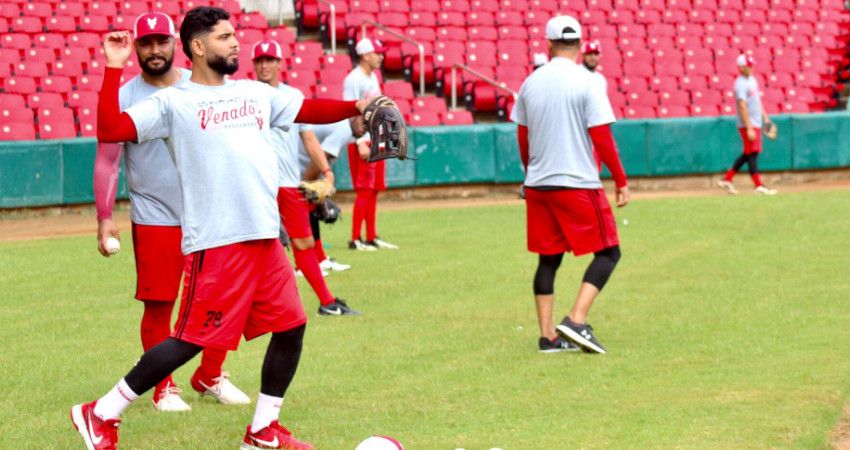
x: 266, y: 48
x: 591, y: 47
x: 746, y: 61
x: 153, y: 23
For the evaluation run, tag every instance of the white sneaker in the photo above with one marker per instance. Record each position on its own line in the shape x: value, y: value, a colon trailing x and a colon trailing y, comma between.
x: 222, y: 390
x: 331, y: 264
x: 361, y: 246
x: 380, y: 243
x: 299, y: 273
x: 730, y: 188
x: 764, y: 190
x: 170, y: 400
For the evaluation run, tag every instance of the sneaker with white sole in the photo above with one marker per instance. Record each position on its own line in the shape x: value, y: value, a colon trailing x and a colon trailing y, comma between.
x: 556, y: 345
x: 337, y: 308
x: 98, y: 434
x: 764, y: 190
x: 221, y: 389
x: 580, y: 334
x: 728, y: 186
x: 272, y: 436
x: 331, y: 264
x: 382, y: 244
x: 299, y: 273
x: 359, y: 245
x: 169, y: 400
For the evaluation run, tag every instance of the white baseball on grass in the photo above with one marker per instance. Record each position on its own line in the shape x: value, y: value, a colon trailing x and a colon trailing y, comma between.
x: 625, y: 221
x: 113, y: 245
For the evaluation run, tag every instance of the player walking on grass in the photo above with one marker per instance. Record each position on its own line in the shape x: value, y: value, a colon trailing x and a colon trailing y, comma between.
x: 562, y: 115
x: 155, y: 209
x: 294, y: 210
x: 368, y: 178
x: 237, y: 280
x: 751, y: 117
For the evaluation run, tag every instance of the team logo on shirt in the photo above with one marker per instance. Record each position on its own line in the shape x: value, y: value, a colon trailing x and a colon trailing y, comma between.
x: 231, y: 113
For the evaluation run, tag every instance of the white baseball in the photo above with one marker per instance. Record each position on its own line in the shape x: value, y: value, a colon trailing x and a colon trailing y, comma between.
x: 113, y: 245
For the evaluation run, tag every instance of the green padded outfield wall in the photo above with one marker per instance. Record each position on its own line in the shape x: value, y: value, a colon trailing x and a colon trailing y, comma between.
x: 41, y: 173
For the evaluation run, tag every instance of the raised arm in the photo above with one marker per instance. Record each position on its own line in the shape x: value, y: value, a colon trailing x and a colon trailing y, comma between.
x: 320, y: 111
x: 113, y: 125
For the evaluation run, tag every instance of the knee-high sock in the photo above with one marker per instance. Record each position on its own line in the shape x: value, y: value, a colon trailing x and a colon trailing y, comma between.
x: 309, y: 265
x: 754, y: 168
x: 320, y: 251
x: 361, y: 205
x: 155, y: 328
x: 371, y: 216
x: 279, y: 366
x: 212, y: 360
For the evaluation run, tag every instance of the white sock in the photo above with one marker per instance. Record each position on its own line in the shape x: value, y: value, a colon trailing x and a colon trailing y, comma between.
x: 268, y: 410
x: 111, y: 405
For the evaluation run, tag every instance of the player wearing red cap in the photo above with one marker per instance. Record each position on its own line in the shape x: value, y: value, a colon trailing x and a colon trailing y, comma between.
x: 369, y: 178
x: 591, y: 52
x: 155, y: 209
x: 238, y: 281
x: 294, y: 210
x: 751, y: 118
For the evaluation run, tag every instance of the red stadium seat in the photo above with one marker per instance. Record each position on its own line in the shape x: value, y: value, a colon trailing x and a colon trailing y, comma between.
x: 480, y: 18
x: 88, y: 40
x: 336, y: 62
x: 57, y: 130
x: 451, y: 19
x: 423, y: 119
x: 705, y: 110
x: 20, y: 85
x: 95, y: 24
x: 26, y: 24
x: 332, y: 76
x: 433, y: 104
x: 253, y: 20
x: 328, y: 91
x: 423, y: 19
x: 31, y: 69
x: 459, y: 117
x: 56, y: 84
x: 456, y: 5
x: 484, y: 5
x: 79, y: 99
x: 425, y: 6
x: 673, y: 111
x: 12, y: 101
x: 395, y: 6
x: 20, y: 114
x: 18, y: 41
x: 90, y: 83
x: 398, y: 89
x: 17, y: 131
x: 49, y: 100
x: 301, y: 77
x: 9, y: 10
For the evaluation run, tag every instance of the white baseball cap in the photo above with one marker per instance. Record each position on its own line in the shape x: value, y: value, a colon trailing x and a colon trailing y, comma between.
x: 561, y: 28
x: 367, y: 45
x: 746, y: 61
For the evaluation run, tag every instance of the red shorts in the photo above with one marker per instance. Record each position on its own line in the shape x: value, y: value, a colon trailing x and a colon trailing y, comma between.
x: 247, y: 288
x: 159, y: 261
x: 294, y: 213
x: 569, y: 220
x: 751, y: 146
x: 366, y: 175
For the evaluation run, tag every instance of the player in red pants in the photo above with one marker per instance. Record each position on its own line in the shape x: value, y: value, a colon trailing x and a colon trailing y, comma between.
x: 155, y: 209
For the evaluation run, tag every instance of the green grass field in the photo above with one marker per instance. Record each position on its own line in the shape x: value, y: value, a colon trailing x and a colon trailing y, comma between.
x: 726, y: 322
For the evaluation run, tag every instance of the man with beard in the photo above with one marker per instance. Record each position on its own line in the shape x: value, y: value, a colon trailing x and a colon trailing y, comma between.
x: 155, y: 209
x: 238, y: 281
x: 294, y: 210
x: 590, y: 53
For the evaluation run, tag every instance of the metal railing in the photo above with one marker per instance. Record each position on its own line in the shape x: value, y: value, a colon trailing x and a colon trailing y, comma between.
x: 405, y: 39
x: 485, y: 78
x: 332, y: 25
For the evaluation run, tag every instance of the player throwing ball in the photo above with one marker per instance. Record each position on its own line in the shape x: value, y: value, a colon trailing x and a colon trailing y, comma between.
x: 238, y: 281
x: 562, y: 114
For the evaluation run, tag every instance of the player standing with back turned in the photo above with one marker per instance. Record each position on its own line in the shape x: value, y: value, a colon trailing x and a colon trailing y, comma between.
x: 562, y: 115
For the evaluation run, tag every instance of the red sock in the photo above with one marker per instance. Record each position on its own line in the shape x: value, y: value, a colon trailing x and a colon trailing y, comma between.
x: 757, y: 179
x: 212, y: 360
x: 361, y: 205
x: 729, y: 175
x: 320, y: 251
x: 155, y: 328
x: 306, y: 261
x: 371, y: 216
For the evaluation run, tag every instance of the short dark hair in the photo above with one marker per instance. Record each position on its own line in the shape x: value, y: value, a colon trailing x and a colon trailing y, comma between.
x: 565, y: 43
x: 199, y: 20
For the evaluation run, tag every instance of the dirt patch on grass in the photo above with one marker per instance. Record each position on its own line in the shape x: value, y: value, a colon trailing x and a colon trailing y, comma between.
x: 841, y: 433
x: 57, y: 222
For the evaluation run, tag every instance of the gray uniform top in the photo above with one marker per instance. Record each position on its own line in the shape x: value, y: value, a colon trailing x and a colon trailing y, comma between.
x: 286, y: 145
x: 151, y: 176
x: 598, y: 77
x: 221, y: 142
x: 558, y: 103
x: 357, y: 85
x: 333, y: 138
x: 747, y: 89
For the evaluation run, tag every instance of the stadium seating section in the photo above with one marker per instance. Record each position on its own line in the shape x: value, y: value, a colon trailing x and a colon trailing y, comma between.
x: 662, y: 58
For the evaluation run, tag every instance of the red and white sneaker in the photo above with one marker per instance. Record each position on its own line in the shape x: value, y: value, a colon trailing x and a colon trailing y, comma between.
x: 168, y: 399
x: 221, y: 389
x: 98, y: 434
x: 272, y: 436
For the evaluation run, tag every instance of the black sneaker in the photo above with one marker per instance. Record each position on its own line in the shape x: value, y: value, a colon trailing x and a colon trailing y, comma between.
x: 337, y: 308
x: 579, y: 334
x: 361, y: 246
x: 559, y: 344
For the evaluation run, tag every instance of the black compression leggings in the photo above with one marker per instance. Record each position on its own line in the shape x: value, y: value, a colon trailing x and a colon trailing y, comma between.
x: 597, y: 272
x: 750, y: 160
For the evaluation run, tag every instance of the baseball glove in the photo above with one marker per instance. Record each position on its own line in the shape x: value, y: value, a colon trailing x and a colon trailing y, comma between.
x: 316, y: 191
x: 770, y: 130
x: 327, y: 211
x: 387, y: 129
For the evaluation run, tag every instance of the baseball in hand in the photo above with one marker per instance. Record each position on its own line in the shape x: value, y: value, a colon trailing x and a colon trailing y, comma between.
x: 113, y: 245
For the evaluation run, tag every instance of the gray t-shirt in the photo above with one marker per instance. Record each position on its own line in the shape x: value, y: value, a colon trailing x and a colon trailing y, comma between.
x: 151, y: 176
x: 558, y: 103
x: 333, y: 138
x: 286, y: 145
x: 221, y: 142
x: 357, y: 85
x: 747, y: 89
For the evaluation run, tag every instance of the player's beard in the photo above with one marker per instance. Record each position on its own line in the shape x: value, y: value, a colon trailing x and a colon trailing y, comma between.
x: 156, y: 71
x: 220, y: 65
